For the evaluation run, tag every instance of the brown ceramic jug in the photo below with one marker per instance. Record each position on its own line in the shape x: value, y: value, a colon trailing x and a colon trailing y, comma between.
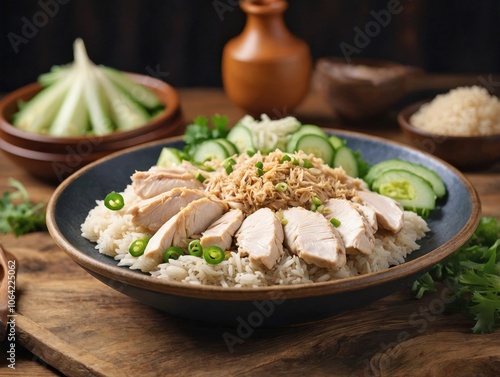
x: 266, y: 69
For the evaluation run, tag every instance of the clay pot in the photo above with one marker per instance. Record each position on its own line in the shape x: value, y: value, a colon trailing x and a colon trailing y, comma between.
x: 266, y: 69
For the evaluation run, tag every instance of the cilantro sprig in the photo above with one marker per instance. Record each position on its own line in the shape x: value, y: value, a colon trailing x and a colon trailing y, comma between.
x: 18, y: 214
x: 473, y: 275
x: 204, y: 128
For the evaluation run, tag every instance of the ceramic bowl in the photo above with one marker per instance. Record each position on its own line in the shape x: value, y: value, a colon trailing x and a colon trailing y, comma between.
x: 30, y: 150
x: 464, y: 152
x: 451, y: 224
x: 363, y: 89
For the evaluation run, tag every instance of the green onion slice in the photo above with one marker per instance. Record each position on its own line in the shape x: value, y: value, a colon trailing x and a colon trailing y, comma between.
x: 285, y: 158
x: 137, y: 247
x: 213, y: 254
x: 317, y: 200
x: 281, y: 187
x: 173, y: 252
x: 335, y: 222
x: 195, y: 248
x: 200, y: 177
x: 114, y: 201
x: 307, y: 163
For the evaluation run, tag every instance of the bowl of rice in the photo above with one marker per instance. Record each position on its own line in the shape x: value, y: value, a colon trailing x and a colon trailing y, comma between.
x: 461, y: 127
x: 237, y: 292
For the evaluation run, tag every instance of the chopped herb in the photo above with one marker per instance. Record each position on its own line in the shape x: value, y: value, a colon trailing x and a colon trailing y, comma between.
x: 200, y: 177
x: 203, y: 129
x: 307, y: 163
x: 259, y: 165
x: 473, y: 275
x: 281, y: 187
x: 335, y: 222
x: 18, y: 214
x: 285, y: 158
x: 316, y: 200
x: 228, y: 165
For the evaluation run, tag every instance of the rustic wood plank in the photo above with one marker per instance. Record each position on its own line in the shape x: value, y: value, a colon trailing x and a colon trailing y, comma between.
x: 64, y: 356
x: 80, y: 326
x: 73, y: 321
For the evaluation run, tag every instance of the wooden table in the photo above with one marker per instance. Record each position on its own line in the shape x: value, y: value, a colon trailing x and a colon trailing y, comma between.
x: 61, y: 310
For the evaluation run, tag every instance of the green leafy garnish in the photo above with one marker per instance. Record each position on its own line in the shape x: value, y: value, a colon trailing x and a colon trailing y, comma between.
x: 203, y: 129
x: 473, y: 275
x: 18, y: 214
x: 363, y: 165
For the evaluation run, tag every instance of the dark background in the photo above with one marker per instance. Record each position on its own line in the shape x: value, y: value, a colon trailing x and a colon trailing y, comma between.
x: 182, y: 40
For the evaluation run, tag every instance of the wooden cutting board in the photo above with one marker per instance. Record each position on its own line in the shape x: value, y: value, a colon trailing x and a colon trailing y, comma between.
x: 84, y: 328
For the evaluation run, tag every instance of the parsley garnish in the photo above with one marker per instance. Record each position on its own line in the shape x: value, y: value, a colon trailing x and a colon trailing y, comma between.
x: 18, y: 214
x: 473, y: 275
x: 203, y: 129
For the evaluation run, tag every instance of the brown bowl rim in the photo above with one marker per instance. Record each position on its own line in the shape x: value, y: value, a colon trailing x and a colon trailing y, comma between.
x: 290, y: 291
x: 322, y: 63
x: 404, y: 122
x: 170, y: 99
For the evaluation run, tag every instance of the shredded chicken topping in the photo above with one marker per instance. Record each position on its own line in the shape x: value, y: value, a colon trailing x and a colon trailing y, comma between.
x: 305, y: 176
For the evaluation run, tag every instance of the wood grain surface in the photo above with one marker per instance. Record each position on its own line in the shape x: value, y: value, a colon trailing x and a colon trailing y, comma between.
x: 68, y: 323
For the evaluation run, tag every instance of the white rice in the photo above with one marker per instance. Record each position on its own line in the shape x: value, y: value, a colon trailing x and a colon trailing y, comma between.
x: 464, y: 111
x: 114, y: 231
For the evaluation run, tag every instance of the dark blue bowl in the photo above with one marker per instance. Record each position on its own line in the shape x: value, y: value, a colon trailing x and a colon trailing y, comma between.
x: 452, y: 223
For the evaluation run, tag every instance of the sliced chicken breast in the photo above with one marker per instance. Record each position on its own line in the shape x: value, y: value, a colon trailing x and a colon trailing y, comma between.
x: 192, y: 219
x: 368, y: 213
x: 221, y: 232
x: 260, y: 237
x: 158, y: 180
x: 153, y: 212
x: 311, y: 236
x: 389, y: 212
x: 353, y: 228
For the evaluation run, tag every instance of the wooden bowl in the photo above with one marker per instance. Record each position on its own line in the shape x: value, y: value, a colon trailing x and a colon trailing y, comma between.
x: 55, y: 167
x: 363, y: 89
x: 167, y: 122
x: 55, y: 158
x: 464, y: 152
x: 451, y: 224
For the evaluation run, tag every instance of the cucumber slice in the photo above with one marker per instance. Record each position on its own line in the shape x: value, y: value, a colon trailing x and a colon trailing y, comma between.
x: 125, y: 113
x: 72, y: 118
x: 241, y: 137
x: 209, y: 150
x: 305, y: 129
x: 169, y: 157
x: 431, y: 176
x: 316, y: 145
x: 412, y: 191
x: 336, y: 142
x: 38, y: 114
x: 230, y: 147
x: 345, y: 158
x: 138, y: 92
